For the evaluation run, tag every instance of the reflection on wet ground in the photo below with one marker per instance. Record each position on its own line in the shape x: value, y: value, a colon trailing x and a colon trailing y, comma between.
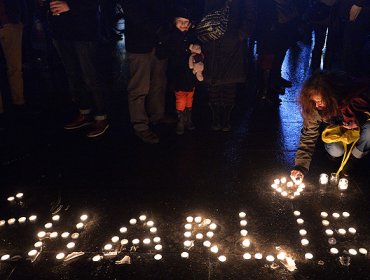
x: 222, y: 181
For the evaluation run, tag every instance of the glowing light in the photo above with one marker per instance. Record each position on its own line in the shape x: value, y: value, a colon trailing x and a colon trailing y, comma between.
x: 243, y: 223
x: 11, y: 221
x: 324, y: 214
x: 135, y: 241
x: 150, y: 223
x: 142, y: 218
x: 242, y: 215
x: 210, y: 234
x: 123, y: 229
x: 277, y: 181
x: 290, y: 184
x: 342, y: 231
x: 222, y: 258
x: 324, y: 179
x: 343, y: 184
x: 75, y: 235
x: 214, y: 249
x: 32, y: 218
x: 283, y: 180
x: 38, y: 244
x: 80, y: 225
x: 2, y: 222
x: 188, y: 226
x: 281, y: 256
x: 334, y: 251
x: 189, y: 219
x: 243, y: 232
x: 352, y: 230
x: 362, y: 251
x: 41, y: 234
x: 300, y: 221
x: 84, y: 217
x: 32, y: 253
x: 246, y: 243
x: 353, y: 252
x: 199, y: 236
x: 198, y: 219
x: 60, y: 256
x: 48, y: 225
x: 308, y: 256
x: 156, y: 239
x: 158, y: 257
x: 124, y: 241
x: 108, y: 247
x: 133, y: 221
x: 65, y: 234
x: 207, y: 221
x: 345, y: 214
x: 56, y: 218
x: 212, y: 226
x: 274, y: 186
x: 301, y: 186
x: 302, y: 232
x: 325, y: 223
x: 279, y: 189
x: 19, y: 195
x: 304, y: 242
x: 187, y: 234
x: 115, y: 239
x: 54, y: 234
x: 207, y: 244
x: 158, y: 247
x: 185, y: 255
x: 247, y: 256
x: 297, y: 213
x: 284, y: 193
x: 11, y: 198
x: 5, y: 257
x: 329, y: 232
x: 71, y: 245
x: 146, y: 241
x: 22, y: 220
x: 336, y: 215
x: 188, y: 243
x: 270, y: 258
x: 153, y: 230
x: 258, y: 256
x: 97, y: 258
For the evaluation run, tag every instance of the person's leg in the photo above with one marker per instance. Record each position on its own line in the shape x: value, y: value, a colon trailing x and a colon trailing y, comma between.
x: 362, y: 147
x: 158, y: 82
x: 11, y: 42
x: 214, y: 96
x: 335, y: 149
x: 188, y: 110
x: 320, y: 35
x: 180, y: 109
x: 228, y: 101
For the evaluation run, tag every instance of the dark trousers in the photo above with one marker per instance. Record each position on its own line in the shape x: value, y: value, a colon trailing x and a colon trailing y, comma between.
x: 86, y: 83
x: 146, y: 89
x: 222, y: 94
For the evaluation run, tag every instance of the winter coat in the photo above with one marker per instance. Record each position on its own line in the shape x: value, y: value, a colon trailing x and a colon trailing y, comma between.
x: 225, y: 57
x: 352, y: 109
x: 180, y: 76
x: 80, y: 23
x: 12, y: 11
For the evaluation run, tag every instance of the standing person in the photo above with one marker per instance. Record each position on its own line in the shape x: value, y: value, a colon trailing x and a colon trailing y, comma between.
x: 74, y: 26
x: 332, y: 98
x: 181, y: 78
x: 356, y: 17
x: 225, y: 65
x: 11, y: 29
x: 145, y: 23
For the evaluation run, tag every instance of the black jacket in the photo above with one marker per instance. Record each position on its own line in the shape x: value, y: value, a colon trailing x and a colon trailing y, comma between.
x: 78, y: 24
x: 13, y: 10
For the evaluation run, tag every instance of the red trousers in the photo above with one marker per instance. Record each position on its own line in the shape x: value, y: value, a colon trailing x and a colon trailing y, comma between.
x: 184, y: 99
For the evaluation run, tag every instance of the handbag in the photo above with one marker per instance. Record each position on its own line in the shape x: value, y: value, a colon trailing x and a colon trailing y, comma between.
x: 214, y: 24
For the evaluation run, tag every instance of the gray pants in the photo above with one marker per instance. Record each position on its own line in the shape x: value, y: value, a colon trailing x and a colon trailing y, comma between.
x: 146, y: 89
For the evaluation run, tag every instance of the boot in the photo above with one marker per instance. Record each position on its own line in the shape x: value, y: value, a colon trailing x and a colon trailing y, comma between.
x: 226, y: 114
x: 188, y: 119
x: 216, y: 116
x: 180, y: 126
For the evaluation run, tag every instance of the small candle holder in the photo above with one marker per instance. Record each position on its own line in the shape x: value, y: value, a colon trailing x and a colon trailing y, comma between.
x: 324, y: 179
x: 343, y: 184
x: 334, y: 179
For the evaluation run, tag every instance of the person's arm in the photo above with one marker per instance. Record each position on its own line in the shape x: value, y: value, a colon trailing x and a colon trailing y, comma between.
x: 356, y: 9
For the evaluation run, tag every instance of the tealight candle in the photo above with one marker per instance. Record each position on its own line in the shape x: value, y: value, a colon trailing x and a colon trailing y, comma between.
x: 48, y: 225
x: 336, y: 215
x: 243, y: 232
x: 308, y: 256
x: 187, y: 234
x: 142, y: 218
x: 11, y: 221
x: 97, y: 258
x: 342, y: 231
x: 123, y: 229
x: 133, y: 221
x: 54, y: 234
x: 188, y: 226
x: 38, y: 244
x: 300, y: 221
x: 290, y: 184
x: 198, y: 219
x: 281, y: 256
x: 5, y: 257
x: 352, y: 252
x: 158, y: 247
x: 75, y: 235
x: 246, y: 243
x: 325, y: 223
x: 158, y: 257
x: 71, y: 245
x: 212, y: 226
x: 60, y: 256
x: 258, y: 256
x: 115, y: 239
x: 153, y: 230
x: 329, y: 232
x: 214, y: 249
x: 222, y: 258
x: 185, y: 255
x: 156, y: 239
x: 345, y: 214
x: 274, y: 186
x: 297, y: 213
x: 296, y: 193
x: 11, y: 198
x: 362, y: 251
x: 247, y: 256
x: 150, y: 223
x: 301, y: 186
x: 304, y: 242
x: 277, y: 181
x: 2, y: 222
x: 210, y: 234
x: 243, y: 223
x: 279, y: 189
x: 187, y: 243
x: 32, y: 253
x: 302, y: 232
x: 270, y: 258
x: 324, y: 179
x: 324, y: 214
x: 352, y: 230
x: 334, y: 251
x: 199, y: 236
x: 56, y: 218
x: 84, y: 217
x: 135, y: 241
x: 124, y: 241
x: 22, y: 220
x: 19, y: 195
x: 283, y: 180
x: 41, y: 234
x: 65, y: 235
x: 284, y: 193
x: 80, y: 225
x: 32, y: 218
x: 207, y: 221
x: 146, y: 241
x: 107, y: 247
x: 343, y: 184
x: 189, y: 219
x: 207, y: 243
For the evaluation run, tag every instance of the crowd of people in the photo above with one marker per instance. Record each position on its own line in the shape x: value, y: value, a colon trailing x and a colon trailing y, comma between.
x: 165, y: 52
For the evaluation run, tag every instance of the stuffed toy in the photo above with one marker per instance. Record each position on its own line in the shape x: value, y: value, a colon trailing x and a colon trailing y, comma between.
x: 196, y: 61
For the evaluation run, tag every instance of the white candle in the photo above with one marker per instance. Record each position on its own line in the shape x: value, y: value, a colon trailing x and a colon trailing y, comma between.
x: 84, y: 217
x: 150, y: 223
x: 199, y: 236
x: 189, y: 219
x: 334, y: 251
x: 133, y: 221
x: 75, y: 235
x: 325, y: 223
x: 324, y: 179
x: 187, y: 243
x: 156, y: 239
x: 41, y: 234
x: 56, y: 218
x: 11, y: 221
x: 80, y: 225
x: 297, y: 213
x: 308, y: 256
x: 5, y: 257
x: 32, y: 253
x: 115, y: 239
x: 352, y: 230
x: 65, y: 234
x: 123, y: 229
x: 158, y: 247
x: 108, y: 247
x: 284, y: 193
x: 188, y: 226
x: 336, y: 215
x: 246, y: 243
x: 300, y: 221
x: 243, y: 232
x: 11, y: 198
x: 185, y: 255
x: 352, y: 252
x: 124, y: 241
x: 243, y: 223
x: 135, y: 241
x: 158, y: 257
x: 290, y: 184
x: 324, y: 214
x: 258, y: 256
x: 19, y: 195
x: 214, y: 249
x: 277, y: 181
x: 38, y: 244
x: 198, y: 219
x: 146, y: 241
x: 343, y: 184
x: 97, y: 258
x: 54, y: 234
x: 345, y: 214
x: 32, y: 218
x: 153, y: 230
x: 60, y: 256
x: 71, y: 245
x: 270, y: 258
x: 247, y: 256
x: 212, y: 226
x: 48, y: 225
x: 187, y: 234
x: 22, y: 220
x: 281, y: 256
x: 207, y: 243
x: 210, y: 234
x: 283, y: 180
x: 142, y: 218
x: 304, y: 242
x: 329, y: 232
x: 222, y: 258
x: 362, y: 251
x: 342, y: 231
x: 302, y: 232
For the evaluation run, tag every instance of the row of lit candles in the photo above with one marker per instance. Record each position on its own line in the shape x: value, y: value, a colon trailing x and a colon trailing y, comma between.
x: 303, y: 233
x: 342, y: 182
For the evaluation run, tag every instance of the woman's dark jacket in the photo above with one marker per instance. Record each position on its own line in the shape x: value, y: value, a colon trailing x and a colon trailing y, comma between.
x: 225, y: 57
x: 13, y: 11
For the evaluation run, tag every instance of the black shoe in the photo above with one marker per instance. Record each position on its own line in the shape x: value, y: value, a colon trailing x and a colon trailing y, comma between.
x: 147, y: 136
x: 180, y: 126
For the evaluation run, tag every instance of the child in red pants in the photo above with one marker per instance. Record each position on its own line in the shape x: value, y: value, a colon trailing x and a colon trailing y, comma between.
x: 181, y: 77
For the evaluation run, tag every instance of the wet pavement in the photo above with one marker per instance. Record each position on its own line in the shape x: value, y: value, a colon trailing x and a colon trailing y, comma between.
x: 221, y: 180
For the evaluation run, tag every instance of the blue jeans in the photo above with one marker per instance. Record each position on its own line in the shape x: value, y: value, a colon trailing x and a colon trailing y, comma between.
x: 361, y: 148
